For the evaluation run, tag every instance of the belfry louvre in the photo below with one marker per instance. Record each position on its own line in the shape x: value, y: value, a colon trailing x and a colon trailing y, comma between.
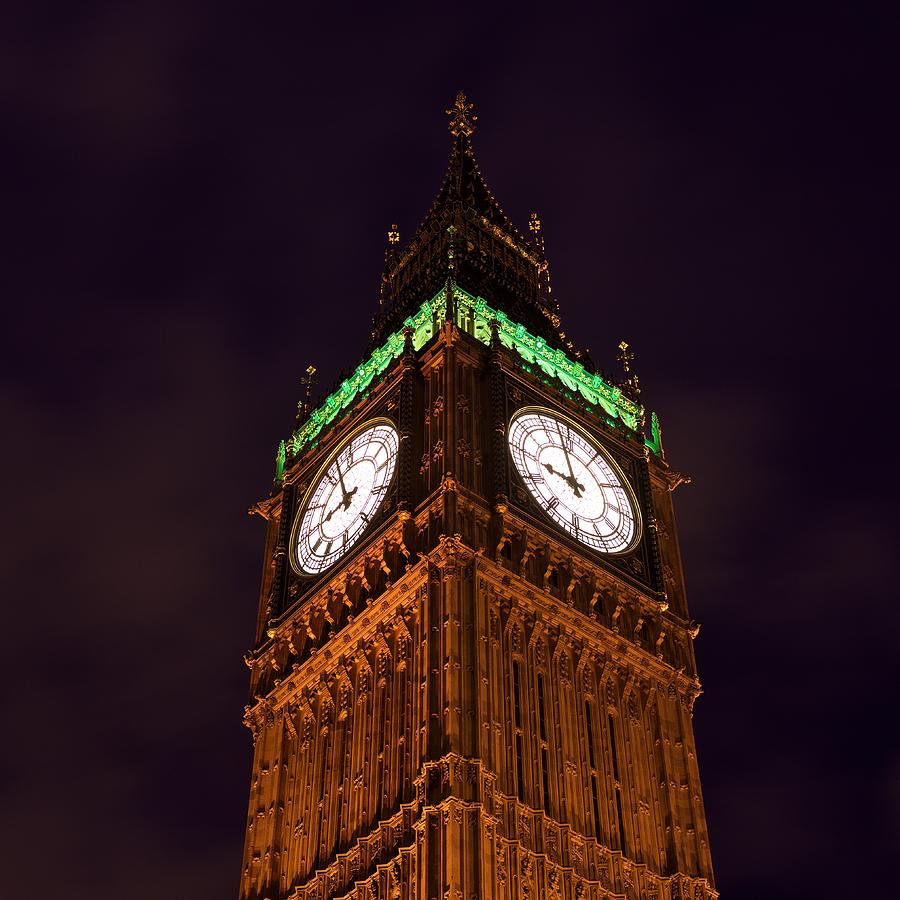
x: 473, y: 673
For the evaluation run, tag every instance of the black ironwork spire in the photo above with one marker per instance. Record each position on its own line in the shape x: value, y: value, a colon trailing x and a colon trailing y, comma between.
x: 467, y: 237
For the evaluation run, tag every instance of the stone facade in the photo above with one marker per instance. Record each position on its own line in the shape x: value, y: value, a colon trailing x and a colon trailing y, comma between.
x: 471, y: 704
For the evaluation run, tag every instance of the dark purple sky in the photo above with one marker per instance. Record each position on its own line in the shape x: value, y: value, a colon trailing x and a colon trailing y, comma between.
x: 195, y: 202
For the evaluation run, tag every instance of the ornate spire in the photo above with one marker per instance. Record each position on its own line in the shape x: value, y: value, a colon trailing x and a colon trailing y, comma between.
x: 390, y: 259
x: 463, y: 181
x: 626, y: 357
x: 462, y: 119
x: 468, y: 237
x: 307, y: 380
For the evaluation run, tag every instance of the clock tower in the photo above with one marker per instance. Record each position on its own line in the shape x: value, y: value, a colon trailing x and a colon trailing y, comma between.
x: 473, y: 673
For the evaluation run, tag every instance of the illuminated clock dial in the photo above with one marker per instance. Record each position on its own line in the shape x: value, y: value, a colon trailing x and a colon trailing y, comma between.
x: 345, y: 497
x: 574, y: 481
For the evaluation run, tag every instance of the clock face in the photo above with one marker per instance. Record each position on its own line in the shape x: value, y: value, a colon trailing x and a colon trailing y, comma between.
x: 574, y: 481
x: 345, y: 497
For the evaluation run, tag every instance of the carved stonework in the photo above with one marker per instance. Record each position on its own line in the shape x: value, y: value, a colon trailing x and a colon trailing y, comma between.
x: 524, y: 828
x: 553, y: 883
x: 526, y: 865
x: 632, y: 708
x: 611, y: 696
x: 577, y: 848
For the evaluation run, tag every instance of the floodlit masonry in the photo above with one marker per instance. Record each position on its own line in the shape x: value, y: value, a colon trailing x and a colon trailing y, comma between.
x: 473, y: 673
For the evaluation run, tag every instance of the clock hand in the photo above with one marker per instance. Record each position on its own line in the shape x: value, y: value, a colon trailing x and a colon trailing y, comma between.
x: 337, y: 462
x: 571, y: 480
x: 576, y: 485
x: 345, y: 503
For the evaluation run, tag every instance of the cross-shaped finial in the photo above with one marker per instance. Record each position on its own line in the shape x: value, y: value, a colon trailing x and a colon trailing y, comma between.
x: 394, y: 234
x: 462, y: 119
x: 534, y: 223
x: 625, y: 356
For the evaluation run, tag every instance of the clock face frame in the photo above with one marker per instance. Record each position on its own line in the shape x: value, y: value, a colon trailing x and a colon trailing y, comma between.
x: 344, y: 497
x: 574, y: 480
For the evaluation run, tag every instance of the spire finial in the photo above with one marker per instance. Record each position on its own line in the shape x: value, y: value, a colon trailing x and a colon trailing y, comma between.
x: 462, y: 119
x: 307, y: 380
x: 625, y: 357
x: 534, y: 226
x: 393, y: 234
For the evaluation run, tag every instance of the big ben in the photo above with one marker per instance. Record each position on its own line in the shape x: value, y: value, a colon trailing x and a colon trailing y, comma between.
x: 473, y: 672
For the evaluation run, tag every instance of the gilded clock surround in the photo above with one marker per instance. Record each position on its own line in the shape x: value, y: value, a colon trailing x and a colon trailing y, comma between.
x: 471, y: 704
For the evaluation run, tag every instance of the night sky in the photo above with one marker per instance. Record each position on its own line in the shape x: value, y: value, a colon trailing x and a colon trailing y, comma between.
x: 195, y: 205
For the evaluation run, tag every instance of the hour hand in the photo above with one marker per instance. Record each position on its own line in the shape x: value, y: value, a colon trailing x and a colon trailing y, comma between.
x: 570, y: 480
x: 575, y: 484
x: 344, y: 503
x: 347, y: 495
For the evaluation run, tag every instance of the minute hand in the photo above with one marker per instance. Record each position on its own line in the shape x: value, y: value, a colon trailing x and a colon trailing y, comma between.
x: 574, y: 481
x: 347, y: 495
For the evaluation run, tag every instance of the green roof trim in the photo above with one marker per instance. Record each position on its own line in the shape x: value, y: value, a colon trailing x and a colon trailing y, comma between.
x: 280, y: 457
x: 551, y: 360
x: 654, y: 441
x: 473, y: 315
x: 422, y: 324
